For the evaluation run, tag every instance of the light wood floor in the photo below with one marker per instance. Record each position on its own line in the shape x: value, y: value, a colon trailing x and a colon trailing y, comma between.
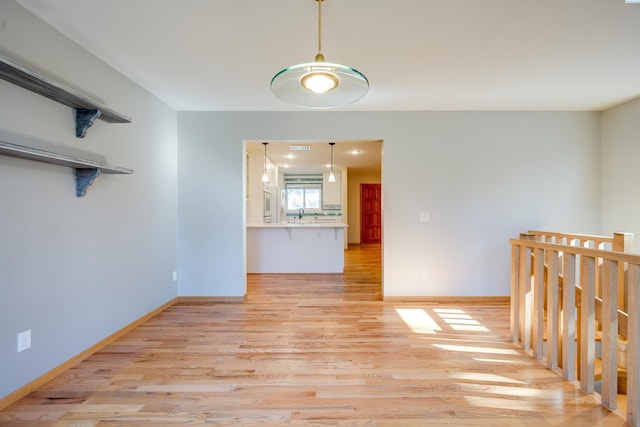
x: 314, y: 350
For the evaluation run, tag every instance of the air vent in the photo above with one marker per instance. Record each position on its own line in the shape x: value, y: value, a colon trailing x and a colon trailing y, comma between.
x: 300, y: 147
x: 303, y: 178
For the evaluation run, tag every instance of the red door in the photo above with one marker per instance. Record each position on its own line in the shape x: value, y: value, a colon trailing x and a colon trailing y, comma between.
x: 370, y: 213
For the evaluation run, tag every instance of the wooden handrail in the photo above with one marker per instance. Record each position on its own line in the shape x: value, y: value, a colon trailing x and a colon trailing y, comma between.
x: 554, y: 291
x: 571, y: 236
x: 577, y: 250
x: 620, y: 242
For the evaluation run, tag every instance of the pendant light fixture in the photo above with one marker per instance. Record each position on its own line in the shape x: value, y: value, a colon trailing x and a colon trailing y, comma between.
x: 319, y: 84
x: 265, y: 177
x: 332, y: 178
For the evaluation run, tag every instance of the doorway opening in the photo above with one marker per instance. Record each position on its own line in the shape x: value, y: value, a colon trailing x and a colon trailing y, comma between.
x: 354, y: 162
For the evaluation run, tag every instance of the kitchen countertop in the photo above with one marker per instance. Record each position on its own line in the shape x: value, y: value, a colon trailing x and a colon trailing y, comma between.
x: 296, y: 247
x: 300, y: 225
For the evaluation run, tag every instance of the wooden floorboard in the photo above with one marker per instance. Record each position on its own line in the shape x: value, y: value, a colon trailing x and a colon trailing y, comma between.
x: 314, y: 350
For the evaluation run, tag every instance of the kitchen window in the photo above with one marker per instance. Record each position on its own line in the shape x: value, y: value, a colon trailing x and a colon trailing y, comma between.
x: 305, y: 196
x: 302, y: 191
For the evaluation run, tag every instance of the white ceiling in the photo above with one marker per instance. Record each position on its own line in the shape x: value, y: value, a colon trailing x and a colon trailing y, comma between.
x: 220, y: 55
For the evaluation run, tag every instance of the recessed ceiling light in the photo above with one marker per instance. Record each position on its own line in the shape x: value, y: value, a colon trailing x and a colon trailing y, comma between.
x: 290, y: 156
x: 300, y: 147
x: 355, y: 152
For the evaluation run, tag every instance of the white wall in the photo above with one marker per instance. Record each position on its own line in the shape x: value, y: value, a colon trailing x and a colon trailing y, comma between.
x: 621, y: 170
x: 484, y: 177
x: 75, y: 270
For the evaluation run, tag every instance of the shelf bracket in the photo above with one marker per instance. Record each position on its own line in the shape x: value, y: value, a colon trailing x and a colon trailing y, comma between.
x: 84, y: 178
x: 84, y: 120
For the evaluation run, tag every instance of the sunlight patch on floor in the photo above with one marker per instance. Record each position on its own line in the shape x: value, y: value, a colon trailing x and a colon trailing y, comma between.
x: 484, y: 377
x: 505, y: 404
x: 418, y: 320
x: 504, y: 390
x: 471, y: 328
x: 459, y: 320
x: 472, y: 349
x: 483, y: 359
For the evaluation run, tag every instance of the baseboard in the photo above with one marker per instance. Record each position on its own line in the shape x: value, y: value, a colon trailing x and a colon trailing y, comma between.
x: 450, y: 300
x: 207, y: 300
x: 12, y: 398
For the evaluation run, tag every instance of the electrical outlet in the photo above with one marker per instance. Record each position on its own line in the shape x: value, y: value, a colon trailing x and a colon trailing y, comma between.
x: 24, y: 340
x: 175, y: 276
x: 423, y: 275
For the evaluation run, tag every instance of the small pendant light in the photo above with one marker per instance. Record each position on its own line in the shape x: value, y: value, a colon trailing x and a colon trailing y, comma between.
x: 265, y: 177
x: 332, y: 178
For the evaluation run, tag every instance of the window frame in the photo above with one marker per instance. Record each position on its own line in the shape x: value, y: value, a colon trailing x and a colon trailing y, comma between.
x: 305, y: 187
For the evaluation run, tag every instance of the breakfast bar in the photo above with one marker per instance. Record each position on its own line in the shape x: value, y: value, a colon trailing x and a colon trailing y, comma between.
x: 295, y: 248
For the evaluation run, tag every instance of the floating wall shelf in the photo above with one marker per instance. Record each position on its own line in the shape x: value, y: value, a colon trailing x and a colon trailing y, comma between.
x: 86, y: 170
x: 87, y: 110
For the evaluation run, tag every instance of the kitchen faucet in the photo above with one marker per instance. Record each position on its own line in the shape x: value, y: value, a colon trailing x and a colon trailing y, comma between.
x: 300, y: 213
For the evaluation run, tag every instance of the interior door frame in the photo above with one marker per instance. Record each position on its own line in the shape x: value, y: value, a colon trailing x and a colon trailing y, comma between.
x: 245, y: 189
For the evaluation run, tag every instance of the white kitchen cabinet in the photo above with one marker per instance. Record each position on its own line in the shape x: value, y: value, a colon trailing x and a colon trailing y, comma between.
x: 255, y: 187
x: 272, y: 174
x: 331, y: 192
